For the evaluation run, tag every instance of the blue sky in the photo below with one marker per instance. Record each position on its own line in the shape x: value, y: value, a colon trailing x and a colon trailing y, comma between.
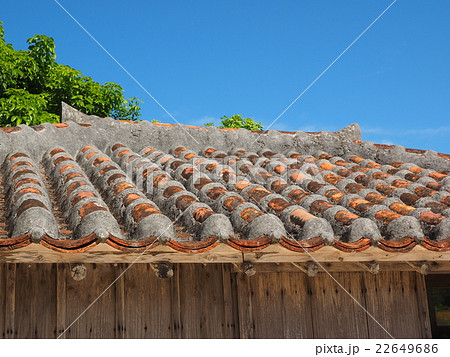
x: 205, y: 59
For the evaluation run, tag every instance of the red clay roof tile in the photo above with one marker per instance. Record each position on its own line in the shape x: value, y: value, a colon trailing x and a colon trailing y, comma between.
x: 132, y: 199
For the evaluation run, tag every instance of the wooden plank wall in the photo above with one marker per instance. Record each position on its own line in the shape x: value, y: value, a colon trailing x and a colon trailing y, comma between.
x: 2, y: 300
x: 208, y: 301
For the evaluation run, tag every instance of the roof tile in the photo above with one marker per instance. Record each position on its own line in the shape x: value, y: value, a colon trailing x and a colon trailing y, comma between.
x: 194, y: 198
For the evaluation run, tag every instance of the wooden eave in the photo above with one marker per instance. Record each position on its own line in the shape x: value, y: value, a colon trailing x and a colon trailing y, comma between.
x: 327, y: 258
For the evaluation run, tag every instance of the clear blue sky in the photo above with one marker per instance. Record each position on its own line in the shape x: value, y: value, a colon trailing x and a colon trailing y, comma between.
x: 205, y: 59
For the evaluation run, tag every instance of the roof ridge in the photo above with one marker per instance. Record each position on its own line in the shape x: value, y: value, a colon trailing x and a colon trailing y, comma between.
x: 68, y: 113
x: 78, y: 129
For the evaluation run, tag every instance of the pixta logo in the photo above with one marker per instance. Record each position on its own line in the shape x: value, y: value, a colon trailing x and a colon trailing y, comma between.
x: 349, y: 350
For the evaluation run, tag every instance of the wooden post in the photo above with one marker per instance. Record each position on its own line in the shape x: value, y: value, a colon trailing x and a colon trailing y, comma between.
x: 10, y: 301
x: 175, y: 299
x: 245, y: 308
x: 422, y: 303
x: 61, y: 298
x: 120, y: 300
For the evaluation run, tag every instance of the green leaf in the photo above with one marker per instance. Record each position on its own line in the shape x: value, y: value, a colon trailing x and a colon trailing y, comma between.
x: 236, y: 121
x: 32, y: 85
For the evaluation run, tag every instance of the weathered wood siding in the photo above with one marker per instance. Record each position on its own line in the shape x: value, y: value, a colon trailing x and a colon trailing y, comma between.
x: 208, y: 301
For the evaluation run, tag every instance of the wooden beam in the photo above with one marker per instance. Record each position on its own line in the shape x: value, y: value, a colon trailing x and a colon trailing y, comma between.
x: 275, y: 253
x: 103, y: 253
x: 261, y: 268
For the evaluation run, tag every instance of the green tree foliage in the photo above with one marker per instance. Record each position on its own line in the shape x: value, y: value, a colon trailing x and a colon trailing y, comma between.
x: 236, y: 121
x: 32, y: 86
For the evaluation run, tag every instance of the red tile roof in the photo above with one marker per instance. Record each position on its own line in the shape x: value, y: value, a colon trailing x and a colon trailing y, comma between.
x: 70, y: 187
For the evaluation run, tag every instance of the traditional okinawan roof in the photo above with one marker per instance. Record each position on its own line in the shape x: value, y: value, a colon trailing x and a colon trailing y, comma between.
x: 136, y: 186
